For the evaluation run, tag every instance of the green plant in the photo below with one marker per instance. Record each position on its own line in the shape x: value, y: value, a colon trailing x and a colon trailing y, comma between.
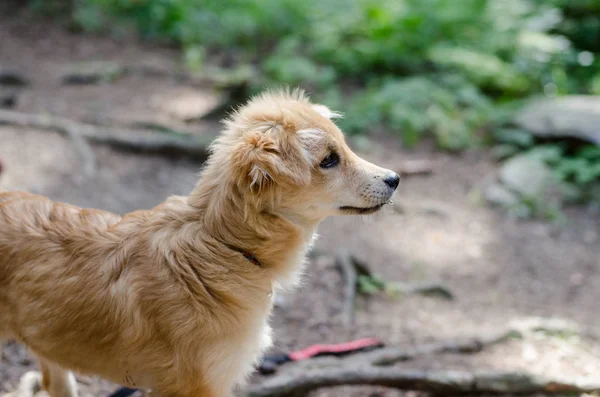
x: 445, y: 106
x: 416, y: 67
x: 374, y: 284
x: 576, y: 172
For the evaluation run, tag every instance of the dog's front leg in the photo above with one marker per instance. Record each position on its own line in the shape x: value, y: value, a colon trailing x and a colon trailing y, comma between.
x: 57, y: 381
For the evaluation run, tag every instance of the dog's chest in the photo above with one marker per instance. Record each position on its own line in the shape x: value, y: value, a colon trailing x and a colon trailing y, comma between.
x: 233, y: 359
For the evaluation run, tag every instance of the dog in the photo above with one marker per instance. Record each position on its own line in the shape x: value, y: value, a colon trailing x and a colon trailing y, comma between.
x: 176, y: 299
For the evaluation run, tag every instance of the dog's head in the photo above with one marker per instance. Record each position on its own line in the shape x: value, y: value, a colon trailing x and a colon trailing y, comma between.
x: 289, y: 157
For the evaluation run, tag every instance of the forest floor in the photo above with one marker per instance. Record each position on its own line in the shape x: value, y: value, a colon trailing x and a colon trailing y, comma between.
x: 500, y: 269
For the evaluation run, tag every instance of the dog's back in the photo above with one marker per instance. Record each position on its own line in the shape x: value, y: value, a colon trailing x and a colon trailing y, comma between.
x: 9, y: 204
x: 36, y: 236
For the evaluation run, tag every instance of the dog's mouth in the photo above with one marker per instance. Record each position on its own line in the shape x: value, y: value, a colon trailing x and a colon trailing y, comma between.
x: 361, y: 210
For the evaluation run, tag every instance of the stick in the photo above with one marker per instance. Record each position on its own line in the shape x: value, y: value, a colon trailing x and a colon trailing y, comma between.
x: 128, y: 139
x: 352, y: 268
x: 362, y: 269
x: 391, y: 355
x: 346, y: 263
x: 423, y: 289
x: 440, y: 382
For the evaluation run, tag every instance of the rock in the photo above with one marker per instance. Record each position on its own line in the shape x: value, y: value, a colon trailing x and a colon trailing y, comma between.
x: 525, y: 175
x: 500, y: 195
x: 570, y: 116
x: 94, y: 73
x: 12, y: 78
x: 501, y: 152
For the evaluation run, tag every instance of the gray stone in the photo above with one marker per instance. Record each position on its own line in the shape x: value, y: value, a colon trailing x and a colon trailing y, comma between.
x: 570, y: 116
x: 499, y: 195
x: 525, y: 175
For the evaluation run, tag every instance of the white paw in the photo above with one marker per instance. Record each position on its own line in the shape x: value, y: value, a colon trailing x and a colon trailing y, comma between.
x: 30, y: 383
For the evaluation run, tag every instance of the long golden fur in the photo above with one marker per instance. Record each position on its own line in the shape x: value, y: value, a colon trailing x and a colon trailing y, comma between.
x: 168, y: 298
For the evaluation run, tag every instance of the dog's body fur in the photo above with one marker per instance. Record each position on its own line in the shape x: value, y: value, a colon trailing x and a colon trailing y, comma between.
x: 167, y: 298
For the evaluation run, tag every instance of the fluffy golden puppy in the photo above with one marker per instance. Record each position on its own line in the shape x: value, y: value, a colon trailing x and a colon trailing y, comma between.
x: 177, y: 298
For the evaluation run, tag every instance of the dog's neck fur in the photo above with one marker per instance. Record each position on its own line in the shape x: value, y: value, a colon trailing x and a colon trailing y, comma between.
x: 278, y: 242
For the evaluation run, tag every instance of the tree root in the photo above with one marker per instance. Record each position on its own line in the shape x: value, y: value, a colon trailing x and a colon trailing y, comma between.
x: 136, y: 140
x: 391, y: 355
x: 438, y: 382
x: 375, y: 368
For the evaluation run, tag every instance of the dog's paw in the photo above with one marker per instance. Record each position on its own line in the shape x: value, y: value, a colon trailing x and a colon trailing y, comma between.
x: 29, y: 385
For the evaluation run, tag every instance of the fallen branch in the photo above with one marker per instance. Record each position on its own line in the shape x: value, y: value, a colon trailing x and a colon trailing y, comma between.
x: 446, y: 382
x: 127, y: 139
x: 137, y: 125
x: 391, y: 355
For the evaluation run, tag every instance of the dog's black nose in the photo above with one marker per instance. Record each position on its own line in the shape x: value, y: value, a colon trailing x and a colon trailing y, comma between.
x: 392, y: 181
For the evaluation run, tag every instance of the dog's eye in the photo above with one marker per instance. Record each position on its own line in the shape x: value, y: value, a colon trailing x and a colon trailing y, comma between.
x: 330, y: 161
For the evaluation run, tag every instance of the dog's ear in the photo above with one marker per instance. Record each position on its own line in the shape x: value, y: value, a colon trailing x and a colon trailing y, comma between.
x: 265, y: 157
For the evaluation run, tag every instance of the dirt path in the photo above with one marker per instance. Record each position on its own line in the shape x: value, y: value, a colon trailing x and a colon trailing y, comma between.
x: 500, y: 269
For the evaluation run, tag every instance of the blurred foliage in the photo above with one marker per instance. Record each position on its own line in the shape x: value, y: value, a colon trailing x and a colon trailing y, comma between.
x: 575, y: 167
x: 416, y: 67
x: 577, y: 171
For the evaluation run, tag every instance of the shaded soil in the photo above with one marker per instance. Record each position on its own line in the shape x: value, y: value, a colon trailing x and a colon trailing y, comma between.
x: 500, y: 268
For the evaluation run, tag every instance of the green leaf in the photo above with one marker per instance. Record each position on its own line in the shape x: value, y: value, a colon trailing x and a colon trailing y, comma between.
x: 513, y: 136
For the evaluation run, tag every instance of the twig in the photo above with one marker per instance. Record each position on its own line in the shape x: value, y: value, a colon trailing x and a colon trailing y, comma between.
x: 347, y: 265
x: 128, y: 139
x: 455, y: 382
x: 423, y: 289
x: 352, y: 268
x: 391, y: 355
x: 362, y: 269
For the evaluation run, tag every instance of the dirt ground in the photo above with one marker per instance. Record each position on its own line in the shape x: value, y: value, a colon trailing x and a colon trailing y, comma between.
x: 500, y: 269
